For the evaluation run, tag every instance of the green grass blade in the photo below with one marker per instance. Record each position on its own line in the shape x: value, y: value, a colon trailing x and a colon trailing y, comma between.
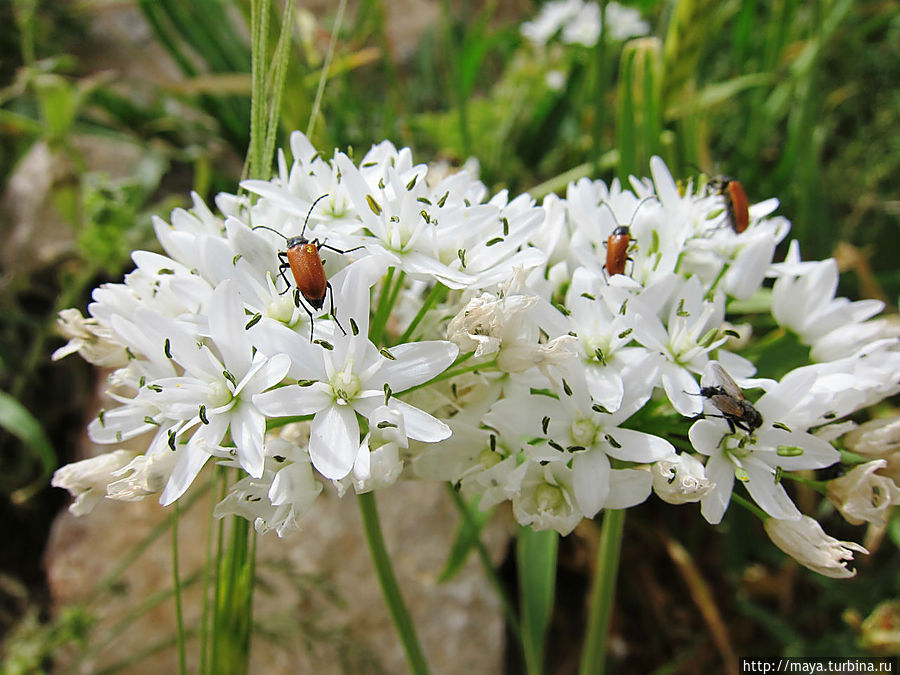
x: 467, y: 536
x: 18, y: 421
x: 686, y: 38
x: 639, y: 115
x: 393, y: 597
x: 536, y: 561
x: 596, y: 640
x: 279, y: 73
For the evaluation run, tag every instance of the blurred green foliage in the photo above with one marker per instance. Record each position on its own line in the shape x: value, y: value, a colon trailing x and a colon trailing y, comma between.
x: 797, y: 100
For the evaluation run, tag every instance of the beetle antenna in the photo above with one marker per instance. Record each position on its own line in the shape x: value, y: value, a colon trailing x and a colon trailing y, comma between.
x: 266, y: 227
x: 309, y: 213
x: 606, y: 204
x: 633, y: 215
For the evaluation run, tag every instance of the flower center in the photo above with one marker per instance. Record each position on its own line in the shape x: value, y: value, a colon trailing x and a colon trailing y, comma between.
x: 281, y: 308
x: 548, y: 497
x: 583, y: 432
x: 345, y: 386
x: 218, y: 393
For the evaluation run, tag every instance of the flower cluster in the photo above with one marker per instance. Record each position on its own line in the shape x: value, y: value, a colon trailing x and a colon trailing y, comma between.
x: 482, y: 340
x: 579, y: 22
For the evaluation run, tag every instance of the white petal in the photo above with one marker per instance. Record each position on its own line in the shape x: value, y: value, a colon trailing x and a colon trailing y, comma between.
x: 334, y: 441
x: 590, y: 480
x: 721, y: 472
x: 417, y: 362
x: 189, y: 463
x: 270, y: 374
x: 248, y: 428
x: 706, y: 436
x: 293, y: 400
x: 679, y: 386
x: 772, y: 498
x: 628, y: 487
x: 226, y: 327
x: 638, y: 446
x: 420, y: 426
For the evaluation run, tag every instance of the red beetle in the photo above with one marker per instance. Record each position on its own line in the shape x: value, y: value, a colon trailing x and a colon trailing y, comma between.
x: 735, y: 202
x: 619, y: 243
x: 617, y: 246
x: 302, y: 258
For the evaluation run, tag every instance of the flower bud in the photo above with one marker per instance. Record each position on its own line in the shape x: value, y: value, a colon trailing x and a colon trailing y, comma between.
x: 806, y: 542
x: 87, y: 480
x: 680, y: 479
x: 862, y: 495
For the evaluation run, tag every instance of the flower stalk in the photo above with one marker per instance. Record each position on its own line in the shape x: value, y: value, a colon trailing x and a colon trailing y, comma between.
x: 393, y: 597
x: 603, y: 591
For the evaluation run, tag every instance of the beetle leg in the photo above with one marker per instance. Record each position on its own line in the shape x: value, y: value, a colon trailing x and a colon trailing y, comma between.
x: 285, y: 265
x: 299, y: 303
x: 337, y: 250
x: 331, y: 307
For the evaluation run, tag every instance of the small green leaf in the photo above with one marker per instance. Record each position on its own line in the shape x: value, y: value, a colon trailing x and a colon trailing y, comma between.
x: 467, y: 534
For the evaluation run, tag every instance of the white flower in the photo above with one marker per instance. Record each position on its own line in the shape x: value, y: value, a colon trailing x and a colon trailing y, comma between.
x: 544, y: 498
x: 212, y: 395
x: 624, y: 22
x: 143, y: 476
x: 604, y: 334
x: 806, y: 303
x: 684, y: 343
x: 875, y: 438
x: 804, y: 540
x: 576, y: 430
x: 96, y: 343
x: 484, y: 322
x: 863, y: 496
x: 680, y: 479
x: 378, y: 463
x: 583, y: 28
x: 277, y: 499
x: 87, y: 479
x: 337, y: 381
x: 580, y: 22
x: 554, y: 15
x: 758, y: 458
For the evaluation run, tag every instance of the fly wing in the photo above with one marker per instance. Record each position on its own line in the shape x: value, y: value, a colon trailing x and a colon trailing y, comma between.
x: 728, y: 405
x: 723, y: 379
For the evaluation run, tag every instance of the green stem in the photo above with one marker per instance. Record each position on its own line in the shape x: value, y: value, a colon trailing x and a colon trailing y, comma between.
x: 509, y: 611
x: 752, y: 508
x: 596, y: 639
x: 207, y: 581
x: 251, y: 588
x: 326, y: 66
x: 438, y: 292
x: 383, y: 309
x: 536, y: 556
x: 389, y: 587
x: 447, y: 374
x: 259, y: 38
x: 176, y: 590
x: 217, y: 627
x: 279, y: 73
x: 599, y: 90
x: 820, y: 486
x: 455, y: 75
x: 107, y: 583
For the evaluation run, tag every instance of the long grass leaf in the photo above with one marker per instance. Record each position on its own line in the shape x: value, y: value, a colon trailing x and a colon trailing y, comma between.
x: 536, y: 562
x: 467, y: 536
x: 18, y: 421
x: 276, y: 88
